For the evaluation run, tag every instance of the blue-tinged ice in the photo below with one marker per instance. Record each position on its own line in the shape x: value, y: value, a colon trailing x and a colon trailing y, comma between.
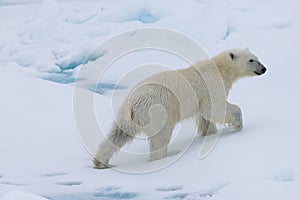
x: 228, y: 32
x: 169, y: 188
x: 101, y: 88
x: 107, y: 193
x: 64, y: 77
x: 180, y: 196
x: 143, y: 16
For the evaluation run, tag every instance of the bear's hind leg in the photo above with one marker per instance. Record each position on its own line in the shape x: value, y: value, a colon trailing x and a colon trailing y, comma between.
x: 116, y: 139
x: 159, y: 143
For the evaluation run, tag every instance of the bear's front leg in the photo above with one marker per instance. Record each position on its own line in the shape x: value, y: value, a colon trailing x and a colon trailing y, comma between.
x: 234, y: 117
x: 205, y: 127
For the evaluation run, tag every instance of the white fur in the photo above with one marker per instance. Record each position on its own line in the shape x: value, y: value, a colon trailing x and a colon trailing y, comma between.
x: 156, y: 104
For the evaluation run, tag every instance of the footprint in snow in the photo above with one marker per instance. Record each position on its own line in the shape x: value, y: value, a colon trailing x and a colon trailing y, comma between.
x: 54, y: 174
x: 169, y: 188
x: 69, y: 183
x: 11, y: 183
x: 179, y: 196
x: 284, y: 176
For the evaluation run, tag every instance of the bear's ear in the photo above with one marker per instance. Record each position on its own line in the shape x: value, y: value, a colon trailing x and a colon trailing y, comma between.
x: 231, y: 56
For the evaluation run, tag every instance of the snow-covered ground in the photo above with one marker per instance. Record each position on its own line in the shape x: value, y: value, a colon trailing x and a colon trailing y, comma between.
x: 44, y: 43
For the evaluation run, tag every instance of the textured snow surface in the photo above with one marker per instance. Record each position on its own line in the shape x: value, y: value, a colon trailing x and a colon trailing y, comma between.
x: 43, y: 44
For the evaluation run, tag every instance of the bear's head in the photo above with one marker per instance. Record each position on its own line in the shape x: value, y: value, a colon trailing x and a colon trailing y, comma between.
x: 244, y: 63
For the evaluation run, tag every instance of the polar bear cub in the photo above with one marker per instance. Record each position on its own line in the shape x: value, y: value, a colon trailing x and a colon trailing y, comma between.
x: 155, y: 105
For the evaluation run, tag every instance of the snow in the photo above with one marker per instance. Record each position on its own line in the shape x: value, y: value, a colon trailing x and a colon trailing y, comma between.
x: 43, y: 45
x: 17, y: 195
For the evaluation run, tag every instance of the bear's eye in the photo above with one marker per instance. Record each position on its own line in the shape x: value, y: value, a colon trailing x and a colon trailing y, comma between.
x: 251, y: 60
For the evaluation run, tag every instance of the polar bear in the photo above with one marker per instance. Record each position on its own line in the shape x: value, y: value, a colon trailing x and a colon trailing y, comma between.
x: 155, y: 105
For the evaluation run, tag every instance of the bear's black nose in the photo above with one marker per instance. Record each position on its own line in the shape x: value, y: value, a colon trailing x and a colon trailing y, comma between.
x: 261, y: 70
